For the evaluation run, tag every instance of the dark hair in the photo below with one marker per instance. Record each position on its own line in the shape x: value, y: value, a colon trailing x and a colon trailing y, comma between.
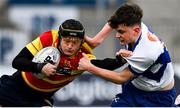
x: 128, y: 14
x: 71, y: 27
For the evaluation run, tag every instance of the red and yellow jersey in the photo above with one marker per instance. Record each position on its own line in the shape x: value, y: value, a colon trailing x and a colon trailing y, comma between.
x: 54, y: 83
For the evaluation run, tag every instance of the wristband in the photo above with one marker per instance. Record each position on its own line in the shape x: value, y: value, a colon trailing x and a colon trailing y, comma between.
x: 39, y: 67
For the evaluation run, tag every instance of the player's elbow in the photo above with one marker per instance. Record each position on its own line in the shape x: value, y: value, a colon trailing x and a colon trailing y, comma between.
x: 14, y: 64
x: 95, y: 43
x: 121, y: 80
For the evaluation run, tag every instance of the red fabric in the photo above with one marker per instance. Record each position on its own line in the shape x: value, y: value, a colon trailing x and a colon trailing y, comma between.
x: 46, y: 39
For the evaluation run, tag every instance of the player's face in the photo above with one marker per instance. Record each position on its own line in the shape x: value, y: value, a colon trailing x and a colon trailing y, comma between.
x: 70, y: 45
x: 126, y: 34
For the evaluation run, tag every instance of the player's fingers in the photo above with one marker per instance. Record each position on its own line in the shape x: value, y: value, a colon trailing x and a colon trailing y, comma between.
x: 53, y: 73
x: 52, y: 66
x: 84, y: 55
x: 125, y: 53
x: 80, y: 67
x: 117, y: 53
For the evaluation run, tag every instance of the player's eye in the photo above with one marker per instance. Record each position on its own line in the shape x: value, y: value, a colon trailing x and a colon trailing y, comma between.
x: 66, y: 40
x: 121, y: 31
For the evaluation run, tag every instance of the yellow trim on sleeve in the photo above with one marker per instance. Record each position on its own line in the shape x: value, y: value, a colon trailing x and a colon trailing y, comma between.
x: 54, y: 37
x: 91, y: 57
x: 87, y: 47
x: 35, y: 46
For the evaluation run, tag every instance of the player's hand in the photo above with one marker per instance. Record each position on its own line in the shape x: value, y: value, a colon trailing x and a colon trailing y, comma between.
x: 124, y: 53
x: 84, y: 63
x: 49, y: 69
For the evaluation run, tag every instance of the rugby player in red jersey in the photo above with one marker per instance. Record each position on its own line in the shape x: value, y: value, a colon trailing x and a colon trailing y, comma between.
x: 24, y: 88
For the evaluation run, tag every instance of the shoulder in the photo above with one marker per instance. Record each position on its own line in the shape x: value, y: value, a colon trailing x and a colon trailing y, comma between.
x: 150, y: 45
x: 86, y: 48
x: 49, y: 37
x: 49, y: 33
x: 145, y: 53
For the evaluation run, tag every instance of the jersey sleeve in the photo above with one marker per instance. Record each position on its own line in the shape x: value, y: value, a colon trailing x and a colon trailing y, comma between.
x: 86, y: 48
x: 23, y: 62
x: 44, y: 40
x: 91, y: 56
x: 143, y: 57
x: 138, y: 64
x: 108, y: 63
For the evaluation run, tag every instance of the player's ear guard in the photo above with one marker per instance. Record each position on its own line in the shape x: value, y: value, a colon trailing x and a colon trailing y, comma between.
x: 69, y: 32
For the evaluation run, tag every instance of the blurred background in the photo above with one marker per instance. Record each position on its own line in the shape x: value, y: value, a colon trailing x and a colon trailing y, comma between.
x: 21, y: 21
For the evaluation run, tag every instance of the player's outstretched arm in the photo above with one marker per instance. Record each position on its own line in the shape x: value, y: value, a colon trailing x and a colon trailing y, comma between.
x: 100, y: 36
x: 115, y: 77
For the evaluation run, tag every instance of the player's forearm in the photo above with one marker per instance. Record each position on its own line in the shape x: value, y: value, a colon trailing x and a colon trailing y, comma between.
x: 23, y: 62
x: 107, y: 74
x: 100, y: 36
x: 90, y: 41
x: 103, y: 34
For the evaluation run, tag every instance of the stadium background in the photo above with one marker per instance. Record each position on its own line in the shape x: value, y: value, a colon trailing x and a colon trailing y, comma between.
x: 23, y: 20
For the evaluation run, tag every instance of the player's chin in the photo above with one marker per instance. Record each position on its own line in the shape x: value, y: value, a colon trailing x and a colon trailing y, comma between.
x: 69, y: 53
x: 122, y: 43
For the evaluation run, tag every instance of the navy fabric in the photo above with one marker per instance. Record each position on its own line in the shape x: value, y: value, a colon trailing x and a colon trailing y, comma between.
x: 13, y: 95
x: 163, y: 59
x: 133, y: 97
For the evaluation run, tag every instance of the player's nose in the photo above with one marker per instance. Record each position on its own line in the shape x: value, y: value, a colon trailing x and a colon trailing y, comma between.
x: 118, y: 35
